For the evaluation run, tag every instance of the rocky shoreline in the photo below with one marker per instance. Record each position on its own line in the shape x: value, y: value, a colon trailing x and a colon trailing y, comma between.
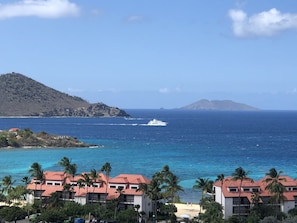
x: 17, y: 138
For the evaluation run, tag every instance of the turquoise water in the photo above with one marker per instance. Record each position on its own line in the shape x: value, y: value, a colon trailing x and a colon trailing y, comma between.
x: 194, y: 144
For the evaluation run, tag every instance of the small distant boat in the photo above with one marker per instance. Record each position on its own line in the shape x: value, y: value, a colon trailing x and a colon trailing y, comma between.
x: 156, y: 122
x: 95, y: 146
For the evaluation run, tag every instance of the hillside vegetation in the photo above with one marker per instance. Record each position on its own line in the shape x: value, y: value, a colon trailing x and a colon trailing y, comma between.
x: 15, y: 138
x: 22, y: 96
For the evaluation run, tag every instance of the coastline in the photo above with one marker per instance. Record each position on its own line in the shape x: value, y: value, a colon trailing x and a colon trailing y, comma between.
x: 188, y: 209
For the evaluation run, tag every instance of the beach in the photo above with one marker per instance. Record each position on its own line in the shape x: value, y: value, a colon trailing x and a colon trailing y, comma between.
x: 183, y: 210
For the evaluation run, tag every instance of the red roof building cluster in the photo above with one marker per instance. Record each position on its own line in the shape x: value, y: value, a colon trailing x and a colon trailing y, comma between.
x: 83, y: 191
x: 234, y: 195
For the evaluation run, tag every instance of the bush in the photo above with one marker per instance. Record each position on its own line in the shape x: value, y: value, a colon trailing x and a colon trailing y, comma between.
x: 52, y: 215
x: 12, y: 213
x: 270, y: 219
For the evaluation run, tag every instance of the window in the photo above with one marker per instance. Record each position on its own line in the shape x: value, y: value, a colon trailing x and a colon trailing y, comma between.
x: 246, y: 189
x: 134, y: 187
x: 57, y: 184
x: 112, y: 186
x: 49, y: 183
x: 232, y: 189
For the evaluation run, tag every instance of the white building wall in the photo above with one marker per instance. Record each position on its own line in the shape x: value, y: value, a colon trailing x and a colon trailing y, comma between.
x: 228, y: 208
x: 80, y: 200
x: 144, y: 203
x: 218, y: 196
x: 287, y: 206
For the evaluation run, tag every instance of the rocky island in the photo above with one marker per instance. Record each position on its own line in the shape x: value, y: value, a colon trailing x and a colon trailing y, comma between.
x: 17, y: 138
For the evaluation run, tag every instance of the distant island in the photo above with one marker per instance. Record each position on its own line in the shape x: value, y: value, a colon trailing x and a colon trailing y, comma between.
x: 22, y: 96
x: 17, y: 138
x: 219, y: 105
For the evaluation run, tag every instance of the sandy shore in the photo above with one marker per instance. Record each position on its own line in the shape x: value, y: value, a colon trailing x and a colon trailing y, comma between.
x: 187, y: 209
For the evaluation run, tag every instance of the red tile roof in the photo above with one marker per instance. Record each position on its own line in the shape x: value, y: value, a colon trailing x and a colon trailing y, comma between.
x: 60, y: 176
x: 261, y: 184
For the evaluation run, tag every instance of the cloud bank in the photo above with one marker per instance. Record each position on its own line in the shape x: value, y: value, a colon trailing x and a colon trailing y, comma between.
x: 39, y: 8
x: 266, y: 23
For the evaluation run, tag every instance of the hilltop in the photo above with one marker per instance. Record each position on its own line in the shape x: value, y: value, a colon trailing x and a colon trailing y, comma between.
x: 220, y: 105
x: 23, y: 96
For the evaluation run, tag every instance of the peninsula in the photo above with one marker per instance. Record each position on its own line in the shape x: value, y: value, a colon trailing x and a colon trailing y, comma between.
x: 17, y: 138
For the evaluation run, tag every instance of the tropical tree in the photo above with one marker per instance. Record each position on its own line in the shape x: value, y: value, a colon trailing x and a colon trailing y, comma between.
x: 170, y: 184
x: 37, y: 173
x: 94, y: 177
x: 274, y: 185
x: 221, y: 178
x: 69, y: 168
x: 26, y: 180
x: 86, y: 181
x: 153, y: 191
x: 70, y: 171
x: 106, y: 168
x: 241, y: 175
x: 36, y: 170
x: 65, y: 163
x: 7, y: 184
x: 213, y: 211
x: 203, y: 184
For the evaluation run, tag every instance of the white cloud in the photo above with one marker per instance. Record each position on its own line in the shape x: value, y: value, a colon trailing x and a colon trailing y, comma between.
x: 134, y: 18
x: 164, y: 90
x: 293, y: 91
x: 266, y: 23
x: 39, y: 8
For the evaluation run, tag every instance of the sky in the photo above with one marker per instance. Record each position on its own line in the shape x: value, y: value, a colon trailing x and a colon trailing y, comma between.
x: 155, y: 53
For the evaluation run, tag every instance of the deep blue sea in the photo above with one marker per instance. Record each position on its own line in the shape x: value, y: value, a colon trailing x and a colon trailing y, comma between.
x: 194, y: 144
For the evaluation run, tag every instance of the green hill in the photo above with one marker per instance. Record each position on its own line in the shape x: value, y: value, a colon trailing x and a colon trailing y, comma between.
x: 23, y: 96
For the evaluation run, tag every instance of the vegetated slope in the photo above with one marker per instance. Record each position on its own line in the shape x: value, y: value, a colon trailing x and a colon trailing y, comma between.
x: 220, y: 105
x: 22, y: 96
x: 16, y: 138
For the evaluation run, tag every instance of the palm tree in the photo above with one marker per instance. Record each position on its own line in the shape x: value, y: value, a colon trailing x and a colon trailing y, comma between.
x: 72, y: 172
x: 6, y: 184
x: 37, y: 174
x: 86, y: 181
x: 64, y: 162
x: 107, y: 169
x: 153, y: 191
x: 275, y: 186
x: 221, y: 178
x: 26, y: 180
x: 203, y: 184
x: 241, y: 175
x: 69, y: 169
x: 94, y: 177
x: 172, y: 186
x: 169, y: 183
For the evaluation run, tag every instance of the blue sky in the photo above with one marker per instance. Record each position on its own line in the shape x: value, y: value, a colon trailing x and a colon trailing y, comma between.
x: 156, y: 53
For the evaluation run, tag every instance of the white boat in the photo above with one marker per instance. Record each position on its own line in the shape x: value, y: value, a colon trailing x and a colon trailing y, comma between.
x: 156, y: 122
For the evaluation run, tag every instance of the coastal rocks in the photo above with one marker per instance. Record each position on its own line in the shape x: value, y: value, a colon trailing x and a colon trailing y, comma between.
x: 17, y: 138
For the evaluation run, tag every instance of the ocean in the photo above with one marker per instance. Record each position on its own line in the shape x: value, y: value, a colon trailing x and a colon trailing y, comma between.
x: 194, y: 144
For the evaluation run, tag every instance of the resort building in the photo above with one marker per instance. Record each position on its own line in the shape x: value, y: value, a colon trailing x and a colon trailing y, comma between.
x: 238, y: 197
x: 83, y: 189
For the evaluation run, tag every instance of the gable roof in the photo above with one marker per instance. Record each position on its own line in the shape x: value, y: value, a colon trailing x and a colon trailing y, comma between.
x: 261, y: 184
